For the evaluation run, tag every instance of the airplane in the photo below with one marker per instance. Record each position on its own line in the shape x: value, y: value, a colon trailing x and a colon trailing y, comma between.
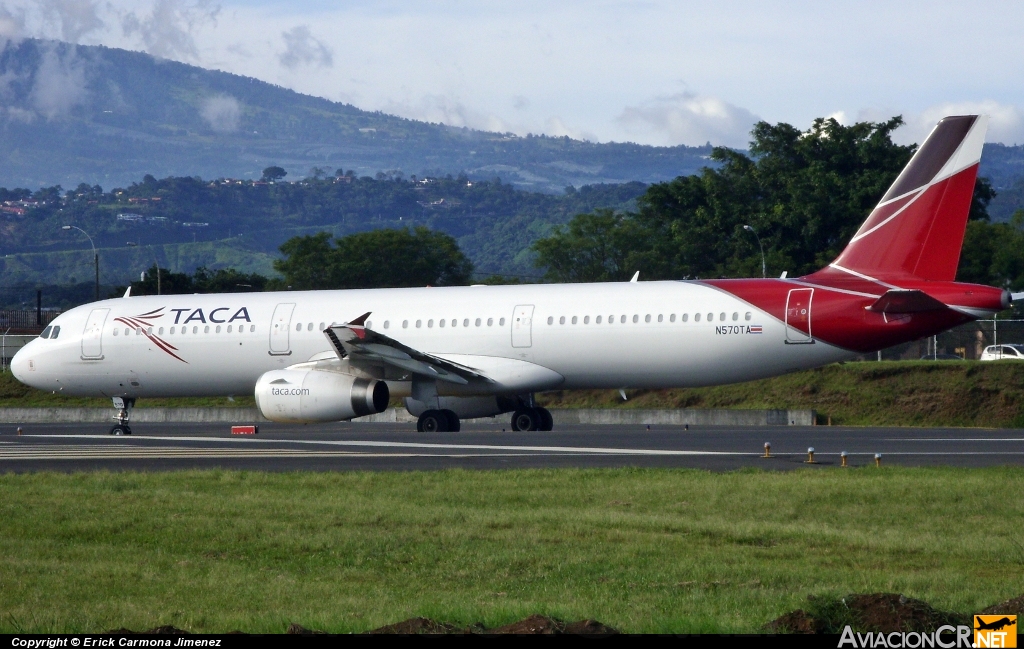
x: 477, y: 351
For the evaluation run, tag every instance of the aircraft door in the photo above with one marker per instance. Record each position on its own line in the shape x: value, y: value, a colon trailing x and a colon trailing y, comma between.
x: 798, y: 316
x: 92, y: 337
x: 280, y: 326
x: 522, y: 326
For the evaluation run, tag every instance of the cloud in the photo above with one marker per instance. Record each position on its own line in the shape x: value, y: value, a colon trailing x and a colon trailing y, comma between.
x: 441, y: 109
x: 167, y: 31
x: 222, y: 113
x: 12, y: 26
x: 76, y: 18
x: 1006, y: 121
x: 690, y: 119
x: 59, y: 83
x: 302, y: 49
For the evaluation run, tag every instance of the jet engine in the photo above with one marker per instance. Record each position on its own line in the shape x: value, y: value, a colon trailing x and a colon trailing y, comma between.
x: 314, y: 396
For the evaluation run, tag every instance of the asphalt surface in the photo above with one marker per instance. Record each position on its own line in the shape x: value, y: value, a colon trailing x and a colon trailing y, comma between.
x: 396, y: 447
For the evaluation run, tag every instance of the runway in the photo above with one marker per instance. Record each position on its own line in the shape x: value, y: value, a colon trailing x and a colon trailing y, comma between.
x: 396, y: 447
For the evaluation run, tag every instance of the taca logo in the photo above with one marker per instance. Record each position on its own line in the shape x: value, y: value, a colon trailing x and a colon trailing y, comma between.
x: 216, y: 316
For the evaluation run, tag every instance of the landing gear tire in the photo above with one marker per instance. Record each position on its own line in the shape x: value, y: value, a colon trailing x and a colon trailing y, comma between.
x: 526, y: 419
x: 453, y: 421
x: 120, y: 429
x: 433, y: 421
x: 547, y: 422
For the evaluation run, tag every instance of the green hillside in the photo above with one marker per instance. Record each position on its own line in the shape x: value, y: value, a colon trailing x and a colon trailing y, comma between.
x: 126, y: 113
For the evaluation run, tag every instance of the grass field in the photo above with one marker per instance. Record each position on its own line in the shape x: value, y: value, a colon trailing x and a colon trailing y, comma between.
x: 641, y: 550
x: 900, y: 393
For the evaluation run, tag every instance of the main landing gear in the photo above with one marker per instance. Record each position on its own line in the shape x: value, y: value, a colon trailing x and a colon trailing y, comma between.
x: 438, y: 421
x: 532, y: 419
x: 124, y: 410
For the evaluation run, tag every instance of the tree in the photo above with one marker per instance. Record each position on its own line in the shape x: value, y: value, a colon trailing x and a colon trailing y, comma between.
x: 374, y: 259
x: 804, y: 192
x: 271, y: 174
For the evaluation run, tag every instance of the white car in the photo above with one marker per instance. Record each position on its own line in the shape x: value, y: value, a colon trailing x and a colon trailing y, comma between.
x: 1003, y: 352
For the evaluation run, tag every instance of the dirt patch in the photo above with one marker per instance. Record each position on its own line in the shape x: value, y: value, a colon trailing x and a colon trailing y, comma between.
x: 1013, y: 606
x: 533, y: 625
x: 160, y: 630
x: 874, y: 612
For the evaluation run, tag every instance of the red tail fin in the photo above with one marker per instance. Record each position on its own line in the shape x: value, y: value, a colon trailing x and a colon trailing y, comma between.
x: 917, y: 229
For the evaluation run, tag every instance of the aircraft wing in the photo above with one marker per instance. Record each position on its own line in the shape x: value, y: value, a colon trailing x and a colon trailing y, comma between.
x: 906, y: 301
x: 361, y: 345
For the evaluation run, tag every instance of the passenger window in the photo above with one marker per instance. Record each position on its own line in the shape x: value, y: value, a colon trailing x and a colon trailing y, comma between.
x: 206, y: 329
x: 159, y: 331
x: 430, y: 323
x: 661, y: 318
x: 597, y: 320
x: 696, y: 317
x: 561, y: 320
x: 490, y: 321
x: 586, y: 319
x: 322, y: 326
x: 252, y: 328
x: 387, y: 323
x: 672, y: 317
x: 126, y: 331
x: 419, y: 323
x: 636, y: 318
x: 647, y: 318
x: 721, y: 316
x: 622, y: 320
x: 117, y: 331
x: 711, y: 317
x: 405, y: 324
x: 46, y: 333
x: 735, y: 316
x: 747, y: 316
x: 440, y: 324
x: 138, y: 331
x: 195, y: 329
x: 477, y: 322
x: 218, y: 329
x: 551, y: 319
x: 228, y: 330
x: 369, y: 324
x: 574, y: 319
x: 465, y: 323
x: 501, y: 322
x: 298, y: 327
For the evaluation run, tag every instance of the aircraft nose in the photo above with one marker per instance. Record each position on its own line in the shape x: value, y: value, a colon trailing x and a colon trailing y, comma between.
x: 20, y: 365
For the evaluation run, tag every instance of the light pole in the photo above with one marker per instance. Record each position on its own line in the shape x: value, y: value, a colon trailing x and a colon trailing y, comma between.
x: 95, y: 255
x: 764, y: 270
x: 133, y: 244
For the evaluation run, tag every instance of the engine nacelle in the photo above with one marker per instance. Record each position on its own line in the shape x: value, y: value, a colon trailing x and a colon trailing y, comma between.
x: 464, y: 407
x: 312, y: 396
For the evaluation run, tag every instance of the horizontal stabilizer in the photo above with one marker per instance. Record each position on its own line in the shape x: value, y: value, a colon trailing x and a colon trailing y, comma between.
x: 905, y: 301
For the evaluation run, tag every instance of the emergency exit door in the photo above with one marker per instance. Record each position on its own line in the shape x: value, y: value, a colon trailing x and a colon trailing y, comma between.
x: 522, y: 326
x: 798, y: 316
x: 280, y: 327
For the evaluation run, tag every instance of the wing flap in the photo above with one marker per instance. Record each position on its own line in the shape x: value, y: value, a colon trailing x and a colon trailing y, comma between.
x: 361, y: 345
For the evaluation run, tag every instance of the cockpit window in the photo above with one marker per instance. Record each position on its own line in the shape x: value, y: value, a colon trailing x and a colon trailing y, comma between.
x: 46, y: 333
x: 55, y: 332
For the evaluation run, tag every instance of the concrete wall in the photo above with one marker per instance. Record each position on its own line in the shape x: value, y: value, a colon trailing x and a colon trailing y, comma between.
x: 636, y: 417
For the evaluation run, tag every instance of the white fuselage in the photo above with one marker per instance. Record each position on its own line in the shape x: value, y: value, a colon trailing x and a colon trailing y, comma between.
x: 529, y: 338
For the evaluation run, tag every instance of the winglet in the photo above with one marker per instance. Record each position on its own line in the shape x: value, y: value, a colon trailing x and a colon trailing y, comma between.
x: 361, y: 320
x: 128, y: 293
x: 636, y: 276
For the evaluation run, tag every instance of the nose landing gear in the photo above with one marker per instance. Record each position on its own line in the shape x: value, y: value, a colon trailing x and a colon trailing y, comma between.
x: 124, y: 407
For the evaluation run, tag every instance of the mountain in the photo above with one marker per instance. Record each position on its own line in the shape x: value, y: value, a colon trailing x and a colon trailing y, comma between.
x: 93, y: 114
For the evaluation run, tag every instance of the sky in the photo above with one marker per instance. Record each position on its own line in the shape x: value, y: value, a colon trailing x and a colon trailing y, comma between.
x: 653, y: 72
